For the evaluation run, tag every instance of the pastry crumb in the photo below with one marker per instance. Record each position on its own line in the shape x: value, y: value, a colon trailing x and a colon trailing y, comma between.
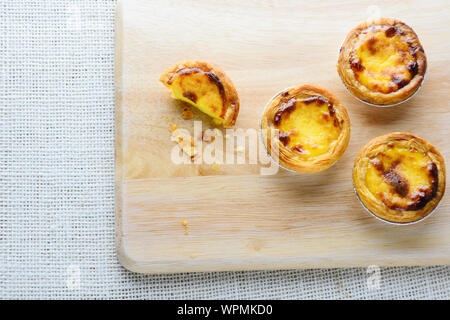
x: 218, y: 132
x: 192, y: 255
x: 216, y: 166
x: 187, y: 113
x: 173, y: 127
x: 207, y: 135
x: 185, y: 225
x: 186, y: 143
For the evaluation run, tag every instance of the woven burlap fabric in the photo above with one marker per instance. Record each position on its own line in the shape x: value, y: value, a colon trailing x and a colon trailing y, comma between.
x: 57, y: 177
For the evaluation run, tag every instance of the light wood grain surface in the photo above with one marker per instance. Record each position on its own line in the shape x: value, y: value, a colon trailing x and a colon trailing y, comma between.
x: 238, y: 219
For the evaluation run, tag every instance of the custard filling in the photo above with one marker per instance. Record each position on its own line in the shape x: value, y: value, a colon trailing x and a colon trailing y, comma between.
x: 402, y: 178
x: 201, y: 89
x: 383, y: 62
x: 309, y: 127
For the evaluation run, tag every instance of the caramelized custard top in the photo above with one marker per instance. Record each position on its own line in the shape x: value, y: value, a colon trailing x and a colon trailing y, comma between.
x: 384, y: 61
x: 308, y: 126
x: 403, y: 178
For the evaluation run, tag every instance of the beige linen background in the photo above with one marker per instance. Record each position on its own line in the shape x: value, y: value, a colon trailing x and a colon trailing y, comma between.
x: 57, y: 177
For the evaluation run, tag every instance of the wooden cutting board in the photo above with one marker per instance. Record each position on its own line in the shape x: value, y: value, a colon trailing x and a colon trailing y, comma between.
x: 238, y: 219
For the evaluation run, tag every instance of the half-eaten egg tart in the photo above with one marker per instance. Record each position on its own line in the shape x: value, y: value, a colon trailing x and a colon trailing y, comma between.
x: 399, y: 177
x: 206, y: 87
x: 382, y: 62
x: 305, y: 128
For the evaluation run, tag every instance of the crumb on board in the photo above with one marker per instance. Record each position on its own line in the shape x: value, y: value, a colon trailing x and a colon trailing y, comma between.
x: 185, y: 142
x: 185, y: 225
x: 187, y: 113
x: 207, y: 135
x: 173, y: 127
x: 216, y: 166
x: 217, y: 132
x: 192, y: 255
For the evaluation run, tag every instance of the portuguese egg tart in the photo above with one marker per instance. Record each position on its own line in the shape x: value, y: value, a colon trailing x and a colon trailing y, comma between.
x: 308, y: 126
x: 206, y: 87
x: 400, y: 178
x: 382, y: 62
